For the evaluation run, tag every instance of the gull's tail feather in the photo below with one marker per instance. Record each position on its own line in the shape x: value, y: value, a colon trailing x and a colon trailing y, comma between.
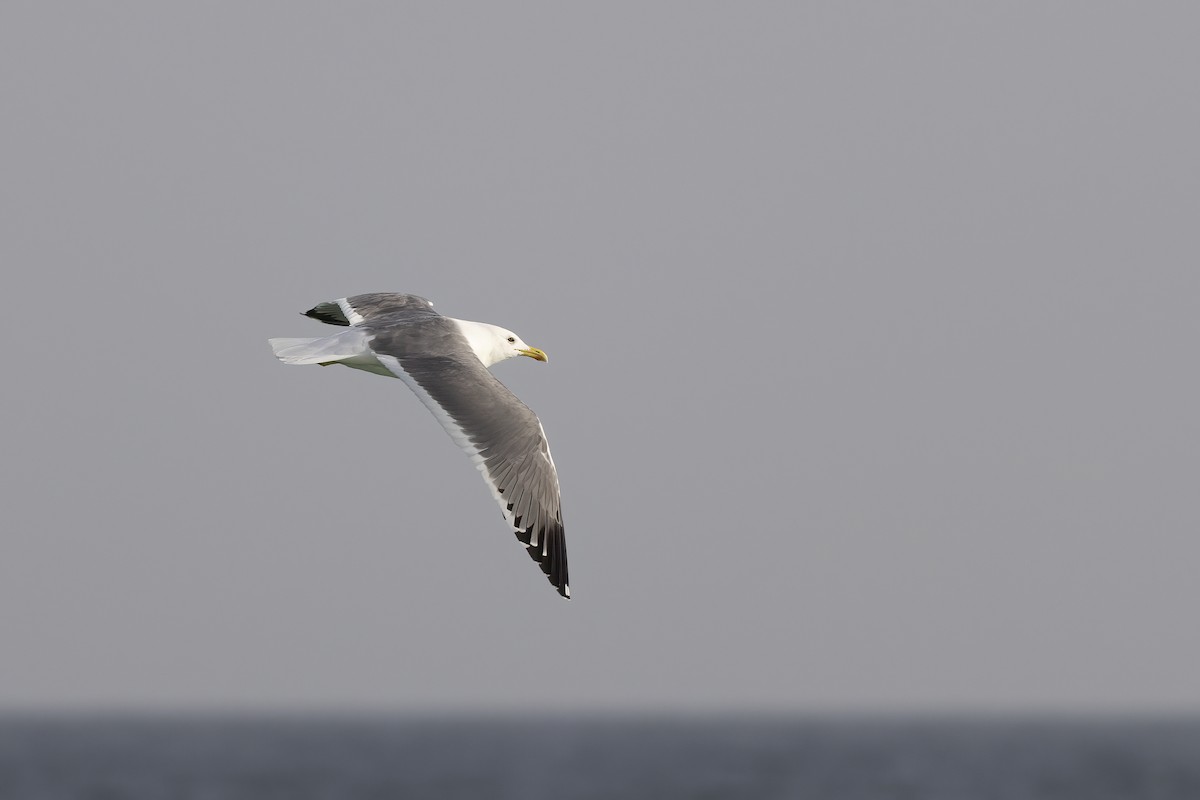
x: 325, y: 350
x: 290, y: 351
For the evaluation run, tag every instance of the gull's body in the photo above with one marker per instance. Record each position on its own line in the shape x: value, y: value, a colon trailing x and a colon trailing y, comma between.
x: 445, y: 362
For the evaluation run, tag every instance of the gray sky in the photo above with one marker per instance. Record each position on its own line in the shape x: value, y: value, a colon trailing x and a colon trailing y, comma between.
x: 873, y: 335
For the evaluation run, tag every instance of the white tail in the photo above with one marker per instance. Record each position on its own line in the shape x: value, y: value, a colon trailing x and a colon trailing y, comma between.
x: 338, y: 347
x: 349, y: 347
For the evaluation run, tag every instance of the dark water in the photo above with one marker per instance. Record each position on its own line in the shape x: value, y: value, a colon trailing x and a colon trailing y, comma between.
x: 861, y: 759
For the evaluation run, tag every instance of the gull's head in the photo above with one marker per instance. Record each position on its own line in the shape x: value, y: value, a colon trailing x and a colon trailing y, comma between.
x: 513, y: 345
x: 493, y: 344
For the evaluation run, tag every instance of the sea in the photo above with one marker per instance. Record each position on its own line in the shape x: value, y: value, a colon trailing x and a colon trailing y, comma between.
x: 385, y: 758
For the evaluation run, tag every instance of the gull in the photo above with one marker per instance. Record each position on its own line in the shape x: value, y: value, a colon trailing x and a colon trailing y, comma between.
x: 445, y: 362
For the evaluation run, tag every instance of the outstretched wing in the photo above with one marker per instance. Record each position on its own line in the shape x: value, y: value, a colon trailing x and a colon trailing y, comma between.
x: 504, y: 439
x: 362, y: 307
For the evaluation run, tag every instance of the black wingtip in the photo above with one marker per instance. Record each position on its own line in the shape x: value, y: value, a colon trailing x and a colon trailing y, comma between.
x: 550, y: 554
x: 321, y: 315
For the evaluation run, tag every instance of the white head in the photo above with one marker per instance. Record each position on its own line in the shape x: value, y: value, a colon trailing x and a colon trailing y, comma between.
x: 492, y: 344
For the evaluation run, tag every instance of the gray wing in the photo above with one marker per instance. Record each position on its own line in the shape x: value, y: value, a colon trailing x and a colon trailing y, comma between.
x: 505, y: 440
x: 362, y: 307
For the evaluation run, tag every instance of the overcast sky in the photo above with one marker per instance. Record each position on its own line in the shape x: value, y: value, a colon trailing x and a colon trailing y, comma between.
x: 873, y: 377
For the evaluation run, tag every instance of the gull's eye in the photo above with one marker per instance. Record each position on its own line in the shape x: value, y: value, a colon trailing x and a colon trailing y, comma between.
x: 511, y: 340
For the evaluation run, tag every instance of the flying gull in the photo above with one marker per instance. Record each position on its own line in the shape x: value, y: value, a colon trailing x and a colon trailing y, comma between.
x: 445, y: 362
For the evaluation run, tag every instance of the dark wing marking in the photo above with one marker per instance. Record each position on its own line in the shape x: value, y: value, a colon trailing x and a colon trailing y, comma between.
x: 329, y: 313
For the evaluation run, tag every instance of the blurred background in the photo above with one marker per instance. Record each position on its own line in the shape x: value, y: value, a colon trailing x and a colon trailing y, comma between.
x: 872, y: 389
